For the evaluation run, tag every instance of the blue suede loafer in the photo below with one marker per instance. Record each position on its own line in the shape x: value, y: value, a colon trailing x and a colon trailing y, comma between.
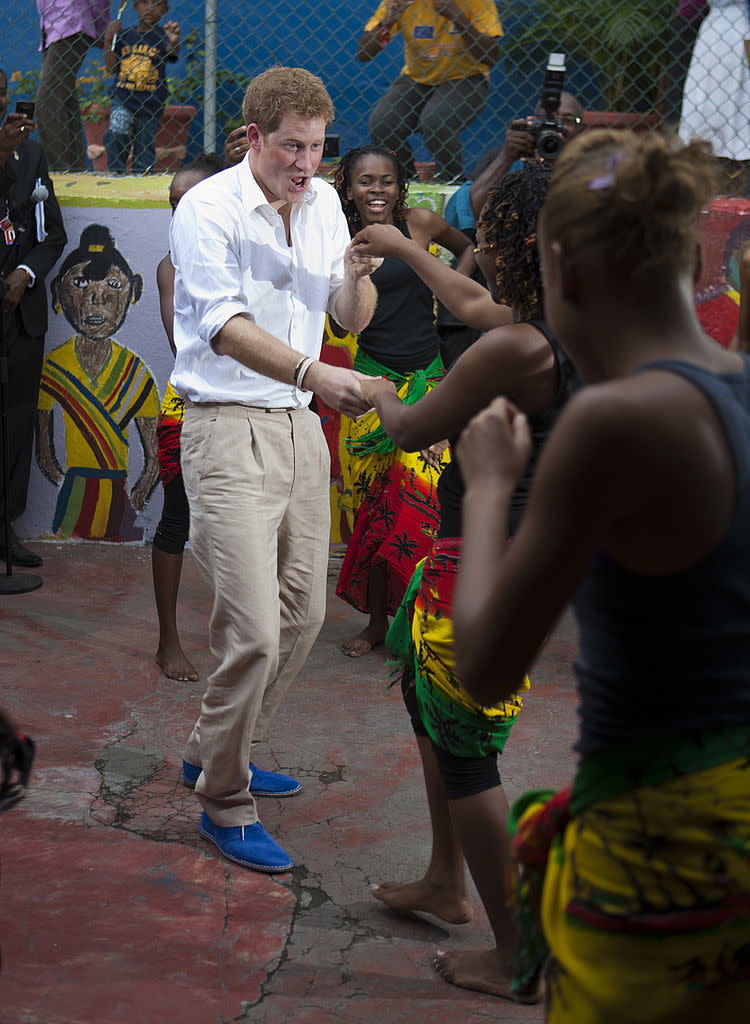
x: 249, y: 845
x: 263, y: 783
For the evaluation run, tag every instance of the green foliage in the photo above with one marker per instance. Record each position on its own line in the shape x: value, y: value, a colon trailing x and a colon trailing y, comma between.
x: 624, y: 43
x: 23, y: 87
x: 93, y: 93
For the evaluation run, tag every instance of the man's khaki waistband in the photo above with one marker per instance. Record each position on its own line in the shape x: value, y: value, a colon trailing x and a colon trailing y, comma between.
x: 242, y: 405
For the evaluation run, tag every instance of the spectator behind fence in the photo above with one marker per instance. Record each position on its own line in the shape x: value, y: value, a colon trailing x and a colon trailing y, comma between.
x: 717, y: 91
x: 685, y: 25
x: 519, y: 145
x: 69, y: 28
x: 137, y: 57
x: 449, y: 47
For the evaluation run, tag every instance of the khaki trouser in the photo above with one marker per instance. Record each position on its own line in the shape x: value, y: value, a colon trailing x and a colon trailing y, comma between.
x: 258, y: 486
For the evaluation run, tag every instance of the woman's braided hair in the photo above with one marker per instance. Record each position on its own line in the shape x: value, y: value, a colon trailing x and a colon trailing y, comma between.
x: 508, y: 218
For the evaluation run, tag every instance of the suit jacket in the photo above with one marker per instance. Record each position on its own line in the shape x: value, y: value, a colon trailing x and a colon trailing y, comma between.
x: 17, y: 181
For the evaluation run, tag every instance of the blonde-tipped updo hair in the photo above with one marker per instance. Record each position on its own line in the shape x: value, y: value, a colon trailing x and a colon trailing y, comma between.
x: 632, y: 200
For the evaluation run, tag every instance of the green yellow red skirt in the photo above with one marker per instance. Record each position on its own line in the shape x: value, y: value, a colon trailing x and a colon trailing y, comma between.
x: 392, y: 494
x: 641, y: 876
x: 422, y: 630
x: 168, y: 432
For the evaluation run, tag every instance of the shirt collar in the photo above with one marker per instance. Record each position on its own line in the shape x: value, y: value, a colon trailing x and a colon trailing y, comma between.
x: 253, y: 196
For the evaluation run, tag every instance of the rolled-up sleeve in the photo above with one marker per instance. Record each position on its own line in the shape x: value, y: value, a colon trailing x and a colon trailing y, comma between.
x: 205, y: 245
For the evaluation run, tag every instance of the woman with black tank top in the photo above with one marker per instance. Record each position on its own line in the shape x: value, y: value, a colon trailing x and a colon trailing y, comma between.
x: 640, y: 872
x: 394, y: 493
x: 460, y: 739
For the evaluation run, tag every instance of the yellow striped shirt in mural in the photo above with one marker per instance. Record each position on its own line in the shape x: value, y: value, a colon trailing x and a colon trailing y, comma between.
x: 98, y: 412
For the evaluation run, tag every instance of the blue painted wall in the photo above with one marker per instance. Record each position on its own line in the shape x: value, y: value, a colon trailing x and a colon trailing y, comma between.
x: 320, y: 37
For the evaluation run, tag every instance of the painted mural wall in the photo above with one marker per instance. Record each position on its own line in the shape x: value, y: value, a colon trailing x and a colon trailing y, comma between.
x: 107, y: 363
x: 96, y: 474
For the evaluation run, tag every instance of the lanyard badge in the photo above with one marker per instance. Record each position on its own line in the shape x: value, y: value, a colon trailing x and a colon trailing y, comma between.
x: 6, y: 226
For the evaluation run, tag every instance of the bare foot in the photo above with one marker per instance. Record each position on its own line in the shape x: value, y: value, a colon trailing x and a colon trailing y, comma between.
x: 174, y: 664
x: 483, y: 970
x: 426, y: 897
x: 363, y: 643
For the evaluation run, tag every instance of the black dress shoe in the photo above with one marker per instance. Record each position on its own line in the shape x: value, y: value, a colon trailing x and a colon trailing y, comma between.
x: 19, y: 553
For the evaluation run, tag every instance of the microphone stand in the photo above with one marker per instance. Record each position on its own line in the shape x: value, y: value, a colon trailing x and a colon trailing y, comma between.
x: 22, y: 582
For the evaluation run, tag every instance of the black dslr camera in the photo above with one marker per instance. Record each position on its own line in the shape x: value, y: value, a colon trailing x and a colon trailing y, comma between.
x: 549, y: 133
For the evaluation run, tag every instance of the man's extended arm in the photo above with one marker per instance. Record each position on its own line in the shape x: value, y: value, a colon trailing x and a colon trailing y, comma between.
x: 255, y: 348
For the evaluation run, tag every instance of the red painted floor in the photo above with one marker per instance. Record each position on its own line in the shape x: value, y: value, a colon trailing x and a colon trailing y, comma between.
x: 112, y: 906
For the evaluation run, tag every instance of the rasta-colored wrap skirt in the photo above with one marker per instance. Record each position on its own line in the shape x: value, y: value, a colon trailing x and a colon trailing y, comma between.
x: 168, y: 431
x: 423, y: 631
x: 641, y: 876
x: 393, y: 494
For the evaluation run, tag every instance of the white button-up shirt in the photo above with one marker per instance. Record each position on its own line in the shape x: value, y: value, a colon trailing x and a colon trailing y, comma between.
x: 230, y: 254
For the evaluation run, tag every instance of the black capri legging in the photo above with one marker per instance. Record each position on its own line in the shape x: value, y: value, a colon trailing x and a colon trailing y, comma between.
x: 462, y: 776
x: 174, y: 526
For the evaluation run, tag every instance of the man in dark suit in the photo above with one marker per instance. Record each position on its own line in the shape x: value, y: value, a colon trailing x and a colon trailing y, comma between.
x: 32, y: 238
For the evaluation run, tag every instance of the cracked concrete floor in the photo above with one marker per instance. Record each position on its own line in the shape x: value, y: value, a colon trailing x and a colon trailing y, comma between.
x: 112, y: 906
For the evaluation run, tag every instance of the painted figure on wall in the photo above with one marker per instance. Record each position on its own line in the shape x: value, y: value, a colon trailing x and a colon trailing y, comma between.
x: 718, y: 293
x: 101, y: 387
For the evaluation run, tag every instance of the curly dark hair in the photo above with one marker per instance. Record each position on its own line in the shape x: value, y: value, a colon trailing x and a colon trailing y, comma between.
x: 343, y: 179
x: 508, y: 218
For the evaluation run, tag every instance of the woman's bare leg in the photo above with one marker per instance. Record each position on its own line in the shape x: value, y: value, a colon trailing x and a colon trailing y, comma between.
x: 377, y: 601
x: 480, y: 822
x: 170, y: 657
x: 442, y: 890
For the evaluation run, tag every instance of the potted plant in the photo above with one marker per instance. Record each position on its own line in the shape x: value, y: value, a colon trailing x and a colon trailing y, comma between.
x: 621, y: 44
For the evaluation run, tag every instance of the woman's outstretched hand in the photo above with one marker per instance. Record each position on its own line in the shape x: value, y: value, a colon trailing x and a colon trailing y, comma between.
x: 378, y: 240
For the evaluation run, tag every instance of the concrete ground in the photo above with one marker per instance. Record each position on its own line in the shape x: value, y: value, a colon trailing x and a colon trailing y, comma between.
x: 113, y: 908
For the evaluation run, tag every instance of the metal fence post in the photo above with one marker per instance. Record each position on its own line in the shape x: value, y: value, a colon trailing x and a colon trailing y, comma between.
x: 209, y: 79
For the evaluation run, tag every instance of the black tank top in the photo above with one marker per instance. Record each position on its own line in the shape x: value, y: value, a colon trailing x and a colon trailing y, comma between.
x: 670, y: 655
x: 451, y: 485
x: 401, y: 334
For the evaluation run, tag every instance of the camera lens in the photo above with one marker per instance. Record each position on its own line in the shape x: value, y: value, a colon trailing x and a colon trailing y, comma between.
x: 548, y: 144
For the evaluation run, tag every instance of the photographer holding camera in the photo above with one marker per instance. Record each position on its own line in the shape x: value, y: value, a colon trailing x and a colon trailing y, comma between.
x: 558, y: 117
x: 521, y: 144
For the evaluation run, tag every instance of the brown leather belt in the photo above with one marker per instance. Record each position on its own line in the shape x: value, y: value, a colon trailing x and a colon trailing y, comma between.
x: 241, y: 405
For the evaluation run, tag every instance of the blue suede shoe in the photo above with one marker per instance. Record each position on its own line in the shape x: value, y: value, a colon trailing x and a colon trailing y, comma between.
x: 263, y: 783
x: 249, y: 845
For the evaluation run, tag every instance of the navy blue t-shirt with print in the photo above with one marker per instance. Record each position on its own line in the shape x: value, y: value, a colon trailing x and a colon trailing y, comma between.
x: 141, y: 83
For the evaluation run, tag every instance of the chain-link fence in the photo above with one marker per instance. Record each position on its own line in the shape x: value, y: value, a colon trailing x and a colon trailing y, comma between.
x: 436, y: 80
